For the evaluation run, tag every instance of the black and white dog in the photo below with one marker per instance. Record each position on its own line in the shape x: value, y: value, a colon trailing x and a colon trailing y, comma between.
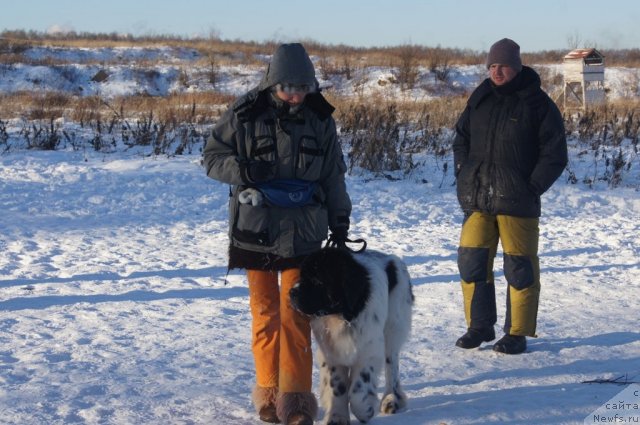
x: 360, y: 307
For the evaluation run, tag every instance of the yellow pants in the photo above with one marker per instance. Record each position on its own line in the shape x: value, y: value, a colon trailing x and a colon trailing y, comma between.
x: 281, y: 337
x: 478, y: 247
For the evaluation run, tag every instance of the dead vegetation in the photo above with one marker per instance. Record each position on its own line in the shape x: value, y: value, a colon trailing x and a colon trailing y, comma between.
x: 382, y: 134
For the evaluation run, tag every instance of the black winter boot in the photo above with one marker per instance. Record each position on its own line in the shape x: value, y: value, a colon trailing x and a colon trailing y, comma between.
x: 474, y: 337
x: 511, y: 344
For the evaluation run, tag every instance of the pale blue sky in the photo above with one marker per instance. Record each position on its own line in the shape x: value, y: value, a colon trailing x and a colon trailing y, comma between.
x: 474, y: 24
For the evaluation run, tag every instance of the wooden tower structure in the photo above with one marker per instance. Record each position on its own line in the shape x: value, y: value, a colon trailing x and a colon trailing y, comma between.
x: 583, y: 79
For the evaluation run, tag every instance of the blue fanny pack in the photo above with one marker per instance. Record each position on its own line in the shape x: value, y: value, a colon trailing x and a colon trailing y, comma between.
x: 287, y: 193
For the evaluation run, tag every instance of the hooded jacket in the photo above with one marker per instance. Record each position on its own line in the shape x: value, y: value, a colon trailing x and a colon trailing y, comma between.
x: 302, y: 146
x: 509, y: 148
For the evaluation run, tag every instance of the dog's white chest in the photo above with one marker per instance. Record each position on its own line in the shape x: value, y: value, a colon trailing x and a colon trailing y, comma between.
x: 335, y: 337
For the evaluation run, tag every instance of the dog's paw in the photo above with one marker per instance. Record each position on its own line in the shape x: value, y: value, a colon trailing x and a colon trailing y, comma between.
x: 389, y: 405
x: 392, y: 403
x: 364, y: 409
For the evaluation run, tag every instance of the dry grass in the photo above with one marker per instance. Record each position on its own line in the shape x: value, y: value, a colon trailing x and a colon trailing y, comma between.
x: 246, y: 52
x: 609, y: 123
x: 199, y: 108
x: 607, y: 136
x: 383, y: 134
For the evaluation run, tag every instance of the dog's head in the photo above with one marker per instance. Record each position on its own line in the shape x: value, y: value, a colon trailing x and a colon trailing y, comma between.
x: 331, y: 282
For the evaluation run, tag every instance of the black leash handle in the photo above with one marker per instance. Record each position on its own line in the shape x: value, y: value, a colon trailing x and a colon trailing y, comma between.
x: 342, y: 244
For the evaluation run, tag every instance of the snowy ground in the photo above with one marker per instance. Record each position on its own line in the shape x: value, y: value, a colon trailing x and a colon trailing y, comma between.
x: 114, y: 310
x: 113, y: 307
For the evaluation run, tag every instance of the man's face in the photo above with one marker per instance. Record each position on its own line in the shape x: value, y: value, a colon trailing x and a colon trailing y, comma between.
x: 501, y: 74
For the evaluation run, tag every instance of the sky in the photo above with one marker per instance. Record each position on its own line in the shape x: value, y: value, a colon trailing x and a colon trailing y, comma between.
x: 466, y: 24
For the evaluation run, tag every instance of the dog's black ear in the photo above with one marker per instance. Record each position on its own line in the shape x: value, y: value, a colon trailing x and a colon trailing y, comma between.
x: 354, y: 303
x: 356, y: 288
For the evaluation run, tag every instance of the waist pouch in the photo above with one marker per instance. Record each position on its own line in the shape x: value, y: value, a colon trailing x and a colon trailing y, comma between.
x: 288, y: 193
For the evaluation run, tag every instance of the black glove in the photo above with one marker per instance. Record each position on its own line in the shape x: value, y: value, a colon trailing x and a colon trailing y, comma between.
x: 338, y: 237
x: 339, y: 234
x: 257, y: 171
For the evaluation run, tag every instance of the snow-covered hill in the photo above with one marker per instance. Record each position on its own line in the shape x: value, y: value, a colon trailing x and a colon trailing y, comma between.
x: 161, y: 71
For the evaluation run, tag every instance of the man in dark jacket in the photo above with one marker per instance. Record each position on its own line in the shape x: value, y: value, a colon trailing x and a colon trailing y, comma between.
x: 277, y: 147
x: 510, y: 147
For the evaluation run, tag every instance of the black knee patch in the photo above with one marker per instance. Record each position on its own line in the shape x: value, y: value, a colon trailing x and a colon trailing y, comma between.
x: 518, y: 270
x: 472, y: 264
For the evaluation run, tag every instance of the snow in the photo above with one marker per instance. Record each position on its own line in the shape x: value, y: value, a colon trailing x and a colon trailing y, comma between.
x: 160, y: 71
x: 116, y: 307
x: 113, y: 306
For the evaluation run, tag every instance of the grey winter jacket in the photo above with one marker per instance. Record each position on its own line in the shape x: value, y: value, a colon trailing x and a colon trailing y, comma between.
x: 302, y: 146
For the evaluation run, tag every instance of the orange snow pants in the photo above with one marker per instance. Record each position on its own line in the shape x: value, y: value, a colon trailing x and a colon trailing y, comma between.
x: 281, y: 336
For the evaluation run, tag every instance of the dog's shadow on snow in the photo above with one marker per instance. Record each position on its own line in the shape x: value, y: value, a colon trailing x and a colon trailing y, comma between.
x: 30, y: 299
x: 475, y: 407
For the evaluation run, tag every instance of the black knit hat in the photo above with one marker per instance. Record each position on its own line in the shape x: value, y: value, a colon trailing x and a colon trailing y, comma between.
x: 505, y: 52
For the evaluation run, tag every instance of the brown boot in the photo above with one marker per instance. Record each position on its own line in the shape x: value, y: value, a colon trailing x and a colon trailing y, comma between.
x: 297, y: 408
x: 299, y: 419
x: 264, y: 399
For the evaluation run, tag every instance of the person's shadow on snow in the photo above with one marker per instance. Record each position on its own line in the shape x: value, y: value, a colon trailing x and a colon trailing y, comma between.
x: 603, y: 340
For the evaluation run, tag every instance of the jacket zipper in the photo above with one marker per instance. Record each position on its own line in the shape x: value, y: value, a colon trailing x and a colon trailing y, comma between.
x: 490, y: 166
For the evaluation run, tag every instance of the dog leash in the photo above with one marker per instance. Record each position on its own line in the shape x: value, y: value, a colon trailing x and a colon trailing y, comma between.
x: 342, y: 244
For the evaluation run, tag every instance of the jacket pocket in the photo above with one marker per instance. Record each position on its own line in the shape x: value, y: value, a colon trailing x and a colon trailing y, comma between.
x: 510, y: 186
x: 312, y: 223
x: 252, y: 225
x: 310, y: 159
x: 467, y: 184
x: 263, y: 148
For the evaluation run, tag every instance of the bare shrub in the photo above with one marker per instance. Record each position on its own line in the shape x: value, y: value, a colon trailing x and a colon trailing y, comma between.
x: 327, y: 69
x: 440, y: 63
x: 86, y: 109
x: 408, y: 70
x: 42, y: 135
x: 4, y: 136
x: 347, y: 67
x: 213, y: 74
x: 12, y: 46
x: 552, y: 81
x: 609, y: 135
x: 48, y: 106
x: 384, y: 135
x: 183, y: 78
x: 373, y: 132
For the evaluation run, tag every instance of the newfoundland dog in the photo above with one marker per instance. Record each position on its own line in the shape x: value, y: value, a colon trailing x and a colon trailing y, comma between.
x: 360, y: 307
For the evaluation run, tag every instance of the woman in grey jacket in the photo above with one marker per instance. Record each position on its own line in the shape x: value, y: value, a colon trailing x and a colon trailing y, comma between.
x: 278, y: 149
